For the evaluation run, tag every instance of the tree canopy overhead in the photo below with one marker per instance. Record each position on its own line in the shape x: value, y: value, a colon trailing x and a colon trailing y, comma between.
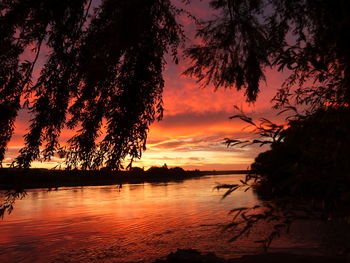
x: 307, y: 38
x: 104, y: 66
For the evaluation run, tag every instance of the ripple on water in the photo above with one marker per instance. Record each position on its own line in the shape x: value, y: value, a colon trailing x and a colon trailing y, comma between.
x: 137, y: 224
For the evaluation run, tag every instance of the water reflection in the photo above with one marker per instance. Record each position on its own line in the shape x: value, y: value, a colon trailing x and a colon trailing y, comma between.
x: 8, y: 199
x: 129, y: 224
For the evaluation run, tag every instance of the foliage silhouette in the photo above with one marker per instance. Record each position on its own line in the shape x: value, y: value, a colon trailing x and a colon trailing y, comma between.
x: 312, y: 157
x: 159, y: 171
x: 8, y: 200
x: 306, y: 38
x: 304, y: 175
x: 103, y: 71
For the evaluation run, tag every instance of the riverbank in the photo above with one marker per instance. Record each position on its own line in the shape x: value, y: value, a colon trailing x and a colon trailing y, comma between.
x: 194, y: 256
x: 20, y: 179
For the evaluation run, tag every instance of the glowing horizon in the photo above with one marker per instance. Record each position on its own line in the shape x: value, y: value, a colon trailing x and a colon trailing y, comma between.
x: 196, y: 121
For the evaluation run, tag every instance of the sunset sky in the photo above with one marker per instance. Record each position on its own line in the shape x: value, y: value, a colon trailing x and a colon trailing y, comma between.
x: 195, y: 123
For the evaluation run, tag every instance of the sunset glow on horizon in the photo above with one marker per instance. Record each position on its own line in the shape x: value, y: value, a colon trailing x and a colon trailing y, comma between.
x: 195, y: 124
x: 192, y: 132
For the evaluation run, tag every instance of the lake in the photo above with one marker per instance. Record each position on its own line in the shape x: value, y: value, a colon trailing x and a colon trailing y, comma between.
x: 138, y: 223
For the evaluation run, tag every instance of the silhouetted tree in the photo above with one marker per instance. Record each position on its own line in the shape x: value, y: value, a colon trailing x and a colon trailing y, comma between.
x: 103, y: 71
x: 305, y: 174
x: 104, y: 67
x: 308, y: 38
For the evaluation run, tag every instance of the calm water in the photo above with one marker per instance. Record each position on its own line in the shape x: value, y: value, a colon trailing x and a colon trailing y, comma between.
x: 137, y: 223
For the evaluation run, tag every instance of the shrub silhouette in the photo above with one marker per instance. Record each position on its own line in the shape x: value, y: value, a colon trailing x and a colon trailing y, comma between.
x: 312, y: 160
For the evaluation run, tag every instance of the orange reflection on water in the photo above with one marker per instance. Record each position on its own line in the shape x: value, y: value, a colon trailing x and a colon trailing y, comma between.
x: 137, y: 223
x: 134, y: 223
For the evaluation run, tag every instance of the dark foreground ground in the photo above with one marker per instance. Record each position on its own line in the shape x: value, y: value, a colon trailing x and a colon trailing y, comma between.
x: 194, y: 256
x: 20, y: 179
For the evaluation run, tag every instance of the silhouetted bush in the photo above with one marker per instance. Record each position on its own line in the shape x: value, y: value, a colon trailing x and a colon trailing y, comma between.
x: 305, y: 174
x: 136, y: 171
x: 154, y: 170
x: 312, y: 160
x: 165, y: 171
x: 177, y: 171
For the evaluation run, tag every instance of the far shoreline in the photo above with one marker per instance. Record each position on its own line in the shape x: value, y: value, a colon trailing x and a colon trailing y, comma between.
x: 36, y: 178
